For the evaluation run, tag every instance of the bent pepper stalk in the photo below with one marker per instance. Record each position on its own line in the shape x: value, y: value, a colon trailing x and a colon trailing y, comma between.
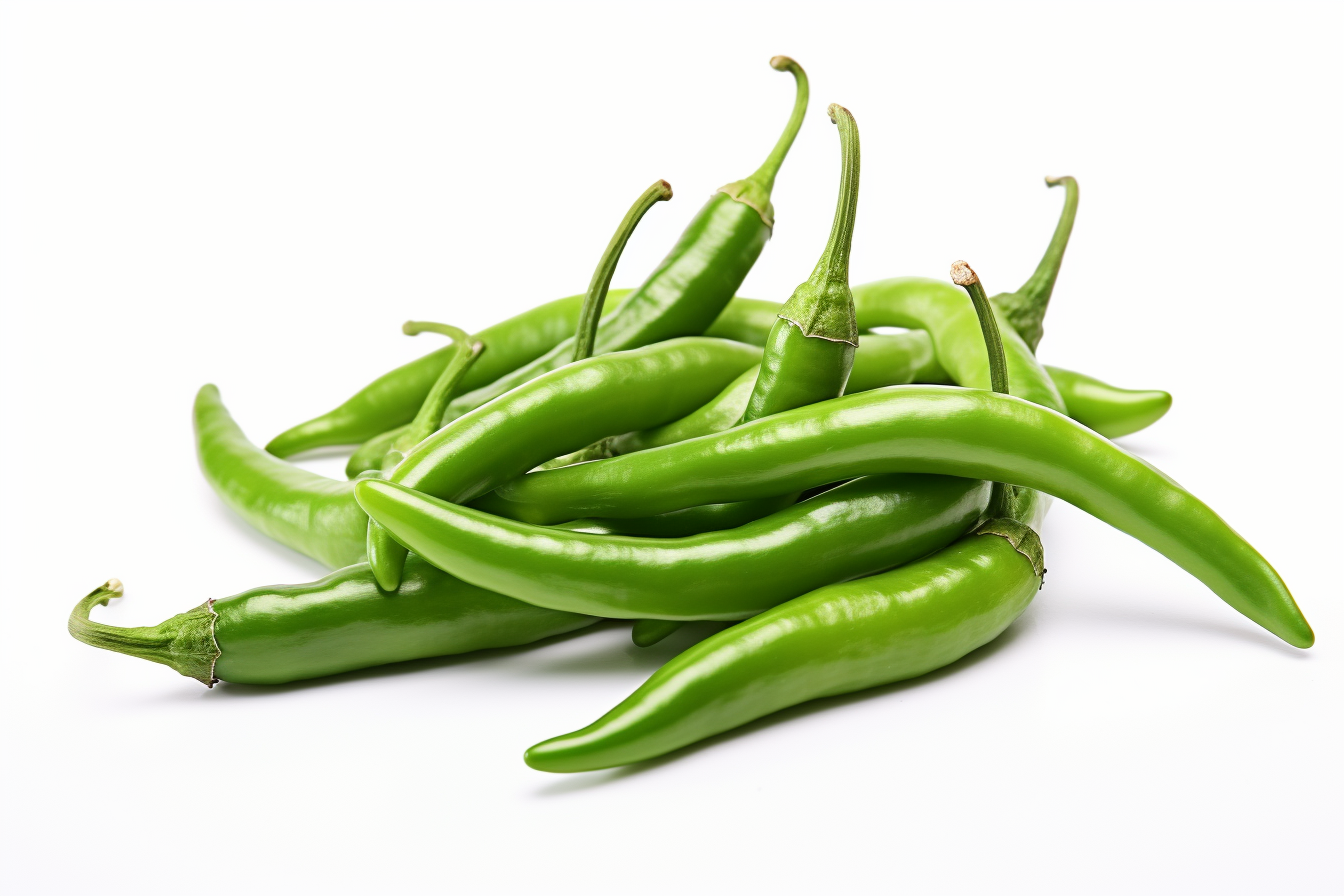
x: 693, y: 284
x: 840, y: 638
x: 427, y: 419
x: 385, y: 555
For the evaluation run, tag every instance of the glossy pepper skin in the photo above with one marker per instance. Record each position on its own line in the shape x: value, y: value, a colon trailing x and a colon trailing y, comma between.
x: 927, y: 429
x: 392, y: 400
x: 838, y: 639
x: 857, y: 529
x: 319, y: 516
x: 898, y: 359
x: 286, y: 633
x: 691, y: 286
x: 383, y: 552
x: 1107, y: 409
x: 312, y: 514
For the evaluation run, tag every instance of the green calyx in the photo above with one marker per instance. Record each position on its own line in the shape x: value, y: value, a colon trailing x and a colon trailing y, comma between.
x: 755, y: 190
x: 1025, y: 309
x: 585, y: 336
x: 823, y: 306
x: 1022, y: 537
x: 186, y: 642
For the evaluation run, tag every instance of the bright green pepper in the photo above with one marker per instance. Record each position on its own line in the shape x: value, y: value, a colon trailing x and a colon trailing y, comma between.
x: 548, y: 416
x: 859, y: 528
x: 691, y: 286
x: 385, y: 553
x: 391, y: 401
x: 925, y: 429
x: 841, y: 638
x: 1107, y: 409
x: 342, y: 622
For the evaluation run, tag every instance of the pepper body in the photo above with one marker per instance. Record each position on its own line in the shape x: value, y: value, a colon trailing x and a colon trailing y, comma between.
x: 340, y: 623
x: 319, y: 516
x: 1111, y: 411
x: 942, y: 311
x: 391, y: 401
x: 312, y: 514
x: 927, y: 429
x: 810, y: 349
x: 682, y: 297
x: 838, y: 639
x: 344, y: 622
x: 857, y: 529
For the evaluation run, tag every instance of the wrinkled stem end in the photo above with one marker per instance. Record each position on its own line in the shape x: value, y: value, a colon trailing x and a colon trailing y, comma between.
x: 585, y: 336
x: 755, y: 190
x: 1025, y: 309
x: 185, y: 643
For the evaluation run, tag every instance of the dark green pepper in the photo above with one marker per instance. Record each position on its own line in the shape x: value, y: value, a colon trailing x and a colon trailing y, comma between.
x: 342, y: 622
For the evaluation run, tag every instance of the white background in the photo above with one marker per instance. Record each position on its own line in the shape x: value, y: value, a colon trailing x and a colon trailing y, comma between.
x: 257, y: 195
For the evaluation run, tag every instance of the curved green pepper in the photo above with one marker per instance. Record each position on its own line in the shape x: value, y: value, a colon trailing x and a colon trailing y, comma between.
x: 391, y: 401
x: 548, y: 416
x: 1107, y: 409
x: 926, y: 429
x: 841, y: 638
x: 857, y: 529
x: 691, y: 286
x: 337, y: 624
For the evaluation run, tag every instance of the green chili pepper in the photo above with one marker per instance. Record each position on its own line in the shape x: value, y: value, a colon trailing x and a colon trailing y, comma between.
x: 336, y: 624
x: 548, y: 416
x: 427, y: 419
x: 860, y: 528
x: 898, y: 359
x: 925, y: 429
x: 312, y: 514
x: 691, y: 286
x: 841, y: 638
x: 810, y: 349
x: 386, y: 554
x: 392, y: 400
x: 1107, y: 409
x: 844, y: 637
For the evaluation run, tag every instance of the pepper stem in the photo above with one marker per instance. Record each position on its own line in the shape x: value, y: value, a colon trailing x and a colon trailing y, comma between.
x: 1025, y: 309
x: 967, y: 279
x: 586, y: 335
x: 428, y: 418
x: 755, y: 190
x: 823, y: 306
x: 186, y: 642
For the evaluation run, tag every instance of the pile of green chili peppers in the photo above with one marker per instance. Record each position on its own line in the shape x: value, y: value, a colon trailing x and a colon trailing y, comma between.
x: 861, y: 507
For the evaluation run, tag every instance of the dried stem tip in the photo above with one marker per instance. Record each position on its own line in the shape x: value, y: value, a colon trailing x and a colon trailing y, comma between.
x: 962, y: 275
x: 781, y: 63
